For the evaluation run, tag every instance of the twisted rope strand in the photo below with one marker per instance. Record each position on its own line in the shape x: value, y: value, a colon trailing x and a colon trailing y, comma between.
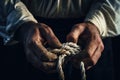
x: 69, y: 50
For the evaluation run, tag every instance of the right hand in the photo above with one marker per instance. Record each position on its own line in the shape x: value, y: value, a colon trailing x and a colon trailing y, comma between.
x: 34, y: 37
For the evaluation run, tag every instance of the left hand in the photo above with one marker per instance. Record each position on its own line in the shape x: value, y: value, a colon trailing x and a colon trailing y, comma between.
x: 88, y: 36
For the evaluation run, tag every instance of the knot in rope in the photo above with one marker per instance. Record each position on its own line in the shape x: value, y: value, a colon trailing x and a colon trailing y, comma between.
x: 68, y: 50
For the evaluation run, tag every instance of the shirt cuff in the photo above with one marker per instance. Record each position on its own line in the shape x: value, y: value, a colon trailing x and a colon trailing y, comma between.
x: 98, y: 19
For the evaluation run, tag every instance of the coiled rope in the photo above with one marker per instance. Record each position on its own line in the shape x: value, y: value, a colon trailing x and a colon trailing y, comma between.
x: 69, y: 49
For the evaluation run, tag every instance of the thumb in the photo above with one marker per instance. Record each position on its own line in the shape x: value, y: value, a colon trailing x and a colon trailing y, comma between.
x: 76, y: 31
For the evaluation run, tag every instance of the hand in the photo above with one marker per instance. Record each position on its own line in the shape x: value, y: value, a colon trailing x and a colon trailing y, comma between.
x: 35, y: 36
x: 87, y: 36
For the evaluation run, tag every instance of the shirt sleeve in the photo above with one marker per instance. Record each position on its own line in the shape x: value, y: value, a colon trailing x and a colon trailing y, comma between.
x: 105, y: 14
x: 15, y: 14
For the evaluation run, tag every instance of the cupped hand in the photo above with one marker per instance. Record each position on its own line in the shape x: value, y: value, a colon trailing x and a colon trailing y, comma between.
x: 88, y: 37
x: 34, y: 37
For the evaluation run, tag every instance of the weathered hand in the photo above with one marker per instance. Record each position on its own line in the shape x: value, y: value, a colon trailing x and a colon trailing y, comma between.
x: 34, y: 37
x: 87, y: 36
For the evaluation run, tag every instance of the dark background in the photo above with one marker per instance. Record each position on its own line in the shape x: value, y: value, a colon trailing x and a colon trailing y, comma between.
x: 14, y: 66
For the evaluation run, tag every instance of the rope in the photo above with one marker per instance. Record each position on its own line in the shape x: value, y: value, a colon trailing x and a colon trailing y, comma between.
x: 82, y: 71
x: 68, y: 50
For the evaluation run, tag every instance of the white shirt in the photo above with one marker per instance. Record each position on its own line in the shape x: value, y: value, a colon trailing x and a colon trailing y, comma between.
x: 105, y: 14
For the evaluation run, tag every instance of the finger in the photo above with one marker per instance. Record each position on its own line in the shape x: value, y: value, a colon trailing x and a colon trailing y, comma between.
x: 36, y: 62
x: 92, y: 47
x: 89, y: 62
x: 52, y: 40
x: 42, y: 52
x: 35, y: 44
x: 92, y: 60
x: 95, y: 57
x: 75, y: 32
x: 94, y: 44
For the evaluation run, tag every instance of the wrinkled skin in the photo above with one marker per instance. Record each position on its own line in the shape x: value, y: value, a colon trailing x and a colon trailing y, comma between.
x: 34, y: 37
x: 86, y: 35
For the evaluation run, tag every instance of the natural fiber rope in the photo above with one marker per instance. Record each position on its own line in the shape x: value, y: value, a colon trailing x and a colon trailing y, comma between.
x: 82, y: 71
x: 69, y: 49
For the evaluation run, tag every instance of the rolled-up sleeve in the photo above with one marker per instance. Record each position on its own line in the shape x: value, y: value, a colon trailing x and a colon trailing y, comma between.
x: 105, y: 14
x: 14, y: 14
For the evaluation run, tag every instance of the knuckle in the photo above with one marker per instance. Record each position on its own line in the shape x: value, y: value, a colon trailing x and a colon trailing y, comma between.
x: 71, y: 37
x: 102, y: 47
x: 46, y: 28
x: 100, y: 43
x: 98, y: 40
x: 96, y: 37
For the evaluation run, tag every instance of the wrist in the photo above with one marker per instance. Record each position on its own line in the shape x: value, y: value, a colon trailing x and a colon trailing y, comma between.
x: 90, y: 24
